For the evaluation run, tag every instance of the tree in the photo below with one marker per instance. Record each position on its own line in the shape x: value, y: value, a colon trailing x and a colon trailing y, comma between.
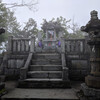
x: 8, y: 22
x: 76, y: 32
x: 3, y: 16
x: 74, y: 27
x: 29, y: 29
x: 60, y: 21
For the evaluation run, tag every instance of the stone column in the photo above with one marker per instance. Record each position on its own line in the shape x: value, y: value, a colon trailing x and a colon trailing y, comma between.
x: 10, y: 44
x: 62, y: 45
x: 64, y: 67
x: 32, y: 46
x: 93, y: 80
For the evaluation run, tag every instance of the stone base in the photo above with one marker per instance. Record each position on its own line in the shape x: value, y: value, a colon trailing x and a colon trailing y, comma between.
x: 90, y: 93
x: 92, y: 81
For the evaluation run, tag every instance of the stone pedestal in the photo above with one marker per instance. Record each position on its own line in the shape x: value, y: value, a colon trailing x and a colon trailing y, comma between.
x: 93, y: 80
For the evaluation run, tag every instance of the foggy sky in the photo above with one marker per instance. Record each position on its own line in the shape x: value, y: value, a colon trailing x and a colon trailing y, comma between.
x: 79, y: 10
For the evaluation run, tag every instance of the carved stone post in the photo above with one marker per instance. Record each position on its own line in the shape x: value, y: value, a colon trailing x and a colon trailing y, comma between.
x: 32, y: 46
x: 92, y: 81
x: 10, y: 44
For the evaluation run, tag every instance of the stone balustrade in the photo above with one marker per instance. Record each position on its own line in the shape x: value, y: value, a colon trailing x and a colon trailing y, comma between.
x: 74, y: 46
x: 21, y: 45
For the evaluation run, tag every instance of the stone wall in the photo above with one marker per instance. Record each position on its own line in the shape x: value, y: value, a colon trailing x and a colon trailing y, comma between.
x: 78, y: 66
x: 76, y: 50
x: 13, y: 65
x: 77, y: 58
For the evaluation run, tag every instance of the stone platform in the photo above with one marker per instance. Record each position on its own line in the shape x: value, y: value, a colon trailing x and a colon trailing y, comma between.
x: 90, y: 93
x: 41, y: 94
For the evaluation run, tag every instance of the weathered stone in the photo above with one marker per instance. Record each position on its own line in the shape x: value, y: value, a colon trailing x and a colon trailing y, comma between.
x: 19, y: 63
x: 90, y: 92
x: 92, y: 81
x: 79, y: 64
x: 92, y: 87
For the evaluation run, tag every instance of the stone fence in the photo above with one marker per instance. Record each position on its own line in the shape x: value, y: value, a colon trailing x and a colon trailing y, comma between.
x: 76, y: 46
x: 21, y: 45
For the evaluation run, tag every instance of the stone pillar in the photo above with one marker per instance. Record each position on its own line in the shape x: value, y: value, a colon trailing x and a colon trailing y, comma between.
x: 32, y: 46
x: 93, y: 80
x: 91, y: 88
x: 60, y: 35
x: 39, y: 36
x: 62, y: 45
x: 10, y: 44
x: 64, y: 67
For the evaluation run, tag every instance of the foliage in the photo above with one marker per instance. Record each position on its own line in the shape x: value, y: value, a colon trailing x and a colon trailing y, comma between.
x: 60, y: 21
x: 76, y: 32
x: 65, y: 24
x: 7, y: 22
x: 29, y: 29
x: 3, y: 13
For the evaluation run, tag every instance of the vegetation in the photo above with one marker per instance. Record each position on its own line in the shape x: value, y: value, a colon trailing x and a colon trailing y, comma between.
x: 9, y: 22
x: 75, y: 33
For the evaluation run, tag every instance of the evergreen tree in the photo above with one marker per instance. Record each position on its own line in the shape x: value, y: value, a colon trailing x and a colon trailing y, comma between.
x: 8, y: 22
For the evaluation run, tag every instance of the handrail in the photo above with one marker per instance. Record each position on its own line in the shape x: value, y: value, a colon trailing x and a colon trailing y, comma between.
x: 24, y: 70
x: 64, y: 68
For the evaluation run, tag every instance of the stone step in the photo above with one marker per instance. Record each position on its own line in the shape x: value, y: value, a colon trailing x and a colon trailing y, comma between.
x: 39, y: 80
x: 46, y: 62
x: 44, y: 83
x: 49, y: 51
x: 45, y: 67
x: 47, y: 56
x: 45, y: 74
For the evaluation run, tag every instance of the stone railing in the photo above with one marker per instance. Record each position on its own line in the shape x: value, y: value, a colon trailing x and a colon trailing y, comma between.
x: 76, y: 46
x: 23, y: 70
x: 64, y: 67
x: 21, y: 45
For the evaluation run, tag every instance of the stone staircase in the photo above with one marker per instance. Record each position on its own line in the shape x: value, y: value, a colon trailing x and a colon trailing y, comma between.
x: 45, y: 71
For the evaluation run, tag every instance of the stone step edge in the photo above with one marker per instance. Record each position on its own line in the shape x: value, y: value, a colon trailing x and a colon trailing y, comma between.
x: 48, y: 79
x: 53, y: 60
x: 47, y: 54
x: 45, y: 65
x: 31, y: 72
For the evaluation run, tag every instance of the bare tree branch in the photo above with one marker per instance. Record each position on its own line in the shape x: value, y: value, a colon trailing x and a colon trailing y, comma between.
x: 30, y: 5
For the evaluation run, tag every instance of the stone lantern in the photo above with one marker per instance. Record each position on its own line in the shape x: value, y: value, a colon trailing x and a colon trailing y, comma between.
x: 91, y: 88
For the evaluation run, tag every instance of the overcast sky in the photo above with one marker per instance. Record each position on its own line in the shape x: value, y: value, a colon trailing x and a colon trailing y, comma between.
x: 79, y: 10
